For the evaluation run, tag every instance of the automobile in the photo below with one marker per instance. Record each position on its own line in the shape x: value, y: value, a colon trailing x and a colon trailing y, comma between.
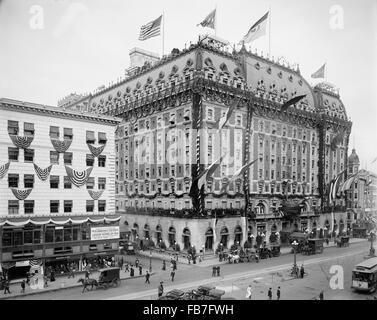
x: 109, y: 277
x: 174, y: 294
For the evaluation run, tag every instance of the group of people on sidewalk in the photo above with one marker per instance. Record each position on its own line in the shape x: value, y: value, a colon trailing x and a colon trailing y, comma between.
x: 216, y: 271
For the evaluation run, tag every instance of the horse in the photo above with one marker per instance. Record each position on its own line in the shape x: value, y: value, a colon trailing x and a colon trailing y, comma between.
x: 234, y: 258
x: 88, y: 282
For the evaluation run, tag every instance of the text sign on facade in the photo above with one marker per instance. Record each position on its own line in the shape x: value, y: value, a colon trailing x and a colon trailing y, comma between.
x: 104, y: 233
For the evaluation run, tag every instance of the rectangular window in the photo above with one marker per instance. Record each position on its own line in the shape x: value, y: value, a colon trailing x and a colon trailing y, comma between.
x: 102, y: 138
x: 90, y: 183
x: 89, y: 205
x: 101, y: 183
x: 54, y: 182
x: 89, y: 160
x: 68, y: 158
x: 13, y: 154
x: 13, y: 206
x: 54, y: 132
x: 239, y: 120
x: 29, y: 206
x: 28, y: 129
x: 90, y: 137
x: 13, y: 180
x: 67, y: 183
x: 54, y: 206
x: 67, y: 206
x: 68, y: 134
x: 28, y: 155
x: 29, y: 181
x: 102, y: 161
x: 54, y: 157
x: 13, y: 127
x: 101, y: 205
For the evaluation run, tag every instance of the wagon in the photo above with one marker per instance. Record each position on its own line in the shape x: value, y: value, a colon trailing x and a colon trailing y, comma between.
x: 109, y: 277
x: 249, y: 256
x: 264, y: 253
x: 275, y: 250
x: 342, y: 241
x: 313, y: 246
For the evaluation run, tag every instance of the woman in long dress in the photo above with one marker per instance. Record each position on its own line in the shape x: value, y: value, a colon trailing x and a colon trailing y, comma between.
x: 248, y: 292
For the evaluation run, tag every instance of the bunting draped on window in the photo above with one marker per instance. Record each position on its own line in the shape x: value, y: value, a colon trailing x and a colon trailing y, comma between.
x: 61, y: 146
x: 95, y: 194
x: 35, y: 263
x: 4, y: 169
x: 21, y: 194
x: 42, y: 173
x: 96, y: 151
x: 21, y: 142
x: 78, y: 178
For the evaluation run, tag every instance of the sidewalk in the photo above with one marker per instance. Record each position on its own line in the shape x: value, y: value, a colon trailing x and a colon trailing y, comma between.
x: 212, y: 259
x: 61, y: 283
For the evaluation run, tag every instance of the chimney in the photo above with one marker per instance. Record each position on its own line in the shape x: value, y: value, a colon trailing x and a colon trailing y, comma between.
x: 139, y: 57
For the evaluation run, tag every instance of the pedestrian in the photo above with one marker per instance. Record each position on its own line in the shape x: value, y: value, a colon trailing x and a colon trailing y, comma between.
x: 172, y: 274
x: 87, y: 273
x: 218, y: 271
x: 327, y: 241
x: 163, y: 265
x: 45, y: 279
x: 71, y: 273
x: 321, y: 296
x: 248, y: 292
x: 132, y: 272
x: 127, y: 268
x: 137, y: 263
x: 23, y: 286
x: 213, y: 271
x: 189, y: 259
x: 278, y: 293
x: 160, y: 289
x: 121, y: 263
x: 6, y: 287
x: 147, y: 276
x: 28, y: 278
x: 269, y: 294
x: 302, y: 271
x: 140, y: 270
x: 52, y: 276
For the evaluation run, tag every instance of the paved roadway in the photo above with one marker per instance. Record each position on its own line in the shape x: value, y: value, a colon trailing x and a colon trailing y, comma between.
x: 235, y: 278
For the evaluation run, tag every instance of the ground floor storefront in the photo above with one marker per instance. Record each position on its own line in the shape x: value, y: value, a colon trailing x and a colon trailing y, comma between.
x: 60, y: 245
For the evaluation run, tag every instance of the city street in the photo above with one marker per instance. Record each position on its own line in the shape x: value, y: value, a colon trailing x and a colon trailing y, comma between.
x: 235, y: 278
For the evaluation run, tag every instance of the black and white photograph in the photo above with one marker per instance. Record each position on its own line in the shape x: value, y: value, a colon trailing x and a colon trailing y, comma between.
x: 198, y: 151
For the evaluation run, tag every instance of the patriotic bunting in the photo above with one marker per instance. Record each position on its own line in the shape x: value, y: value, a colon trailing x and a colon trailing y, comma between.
x: 35, y: 263
x: 21, y: 194
x: 21, y: 142
x: 4, y: 169
x: 61, y: 146
x: 96, y: 151
x: 290, y: 102
x: 95, y: 194
x: 78, y: 178
x: 42, y: 173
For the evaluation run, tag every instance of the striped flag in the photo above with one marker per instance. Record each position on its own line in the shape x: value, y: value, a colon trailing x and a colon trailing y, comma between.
x: 237, y: 173
x: 224, y: 119
x: 334, y: 187
x: 320, y: 73
x: 257, y: 30
x: 151, y: 29
x: 209, y: 21
x: 209, y: 172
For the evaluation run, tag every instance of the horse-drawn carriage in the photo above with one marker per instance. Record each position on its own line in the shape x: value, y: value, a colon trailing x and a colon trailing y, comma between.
x: 312, y: 246
x: 275, y: 250
x: 342, y: 241
x: 264, y: 253
x: 109, y: 277
x: 249, y: 255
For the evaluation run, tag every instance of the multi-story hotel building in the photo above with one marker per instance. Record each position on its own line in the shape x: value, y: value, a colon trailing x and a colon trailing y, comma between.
x: 165, y: 102
x: 57, y: 185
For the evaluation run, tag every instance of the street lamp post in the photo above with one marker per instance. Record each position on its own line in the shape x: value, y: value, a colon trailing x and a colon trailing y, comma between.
x: 371, y: 250
x: 295, y: 268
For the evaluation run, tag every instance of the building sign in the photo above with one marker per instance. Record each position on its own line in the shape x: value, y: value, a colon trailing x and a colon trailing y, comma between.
x: 23, y: 263
x: 104, y: 233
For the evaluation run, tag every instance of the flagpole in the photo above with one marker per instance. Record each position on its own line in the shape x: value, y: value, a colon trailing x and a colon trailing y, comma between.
x: 163, y: 33
x: 216, y: 20
x: 269, y: 34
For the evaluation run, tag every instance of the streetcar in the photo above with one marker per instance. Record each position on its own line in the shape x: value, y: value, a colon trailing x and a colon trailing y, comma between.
x: 364, y: 276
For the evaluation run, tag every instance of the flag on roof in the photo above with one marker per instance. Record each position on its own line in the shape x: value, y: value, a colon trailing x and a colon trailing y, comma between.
x: 209, y: 21
x: 151, y: 29
x: 292, y: 101
x: 320, y: 73
x: 257, y: 30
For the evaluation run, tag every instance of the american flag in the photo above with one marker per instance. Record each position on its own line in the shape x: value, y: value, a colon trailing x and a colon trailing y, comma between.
x: 151, y: 29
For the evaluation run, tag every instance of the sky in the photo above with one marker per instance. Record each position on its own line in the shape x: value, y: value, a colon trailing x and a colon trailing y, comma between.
x: 51, y: 48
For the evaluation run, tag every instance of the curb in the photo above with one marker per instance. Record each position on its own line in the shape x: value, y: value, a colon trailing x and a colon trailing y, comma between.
x: 31, y: 293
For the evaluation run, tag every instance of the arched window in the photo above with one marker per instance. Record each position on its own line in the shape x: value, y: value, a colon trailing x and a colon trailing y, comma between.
x: 171, y: 236
x: 260, y: 208
x: 238, y: 235
x: 146, y: 231
x: 135, y: 231
x: 224, y: 236
x: 209, y: 239
x: 186, y: 235
x: 159, y: 233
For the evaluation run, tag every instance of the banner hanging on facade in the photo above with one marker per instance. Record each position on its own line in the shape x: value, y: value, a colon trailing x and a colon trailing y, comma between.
x: 104, y: 233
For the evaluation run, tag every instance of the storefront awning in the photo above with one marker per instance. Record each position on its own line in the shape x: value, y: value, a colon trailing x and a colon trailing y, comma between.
x: 20, y: 222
